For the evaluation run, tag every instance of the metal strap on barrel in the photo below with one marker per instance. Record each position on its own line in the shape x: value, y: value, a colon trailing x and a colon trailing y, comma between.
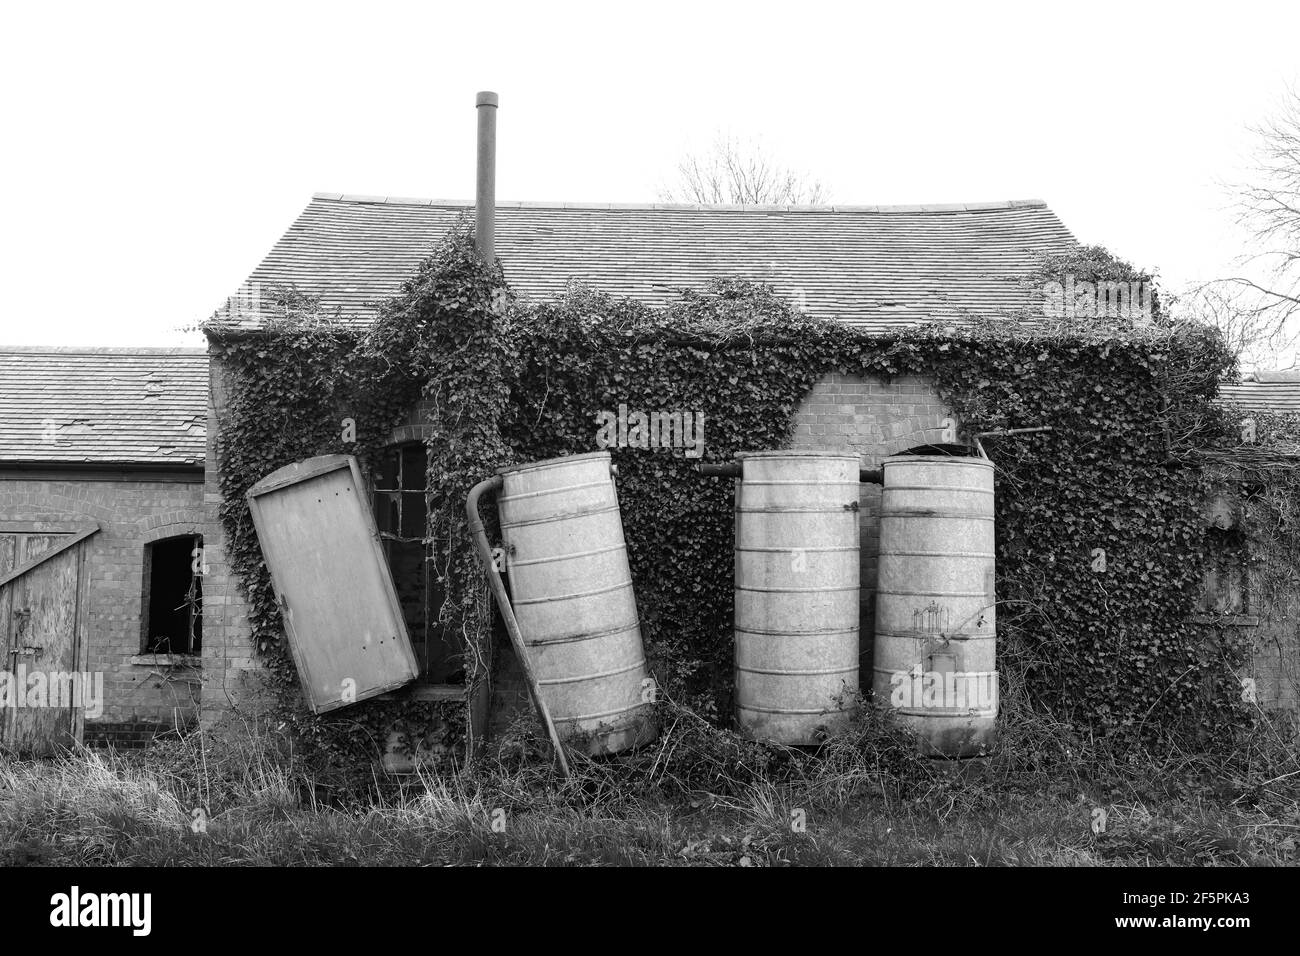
x: 842, y: 509
x: 785, y: 632
x: 842, y: 587
x: 543, y: 492
x: 941, y: 554
x: 930, y: 513
x: 557, y: 558
x: 946, y: 636
x: 794, y: 549
x: 596, y: 676
x: 621, y: 585
x: 807, y: 483
x: 560, y: 516
x: 813, y: 672
x: 599, y: 714
x: 788, y: 710
x: 586, y: 635
x: 913, y: 593
x: 967, y: 489
x: 937, y: 713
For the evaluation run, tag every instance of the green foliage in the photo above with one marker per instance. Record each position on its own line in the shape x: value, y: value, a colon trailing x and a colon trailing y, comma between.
x: 1257, y: 475
x: 1112, y: 651
x: 1098, y: 266
x: 866, y: 799
x: 443, y: 335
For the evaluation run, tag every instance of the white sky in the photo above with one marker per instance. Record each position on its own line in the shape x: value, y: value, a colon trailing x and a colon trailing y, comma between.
x: 153, y: 153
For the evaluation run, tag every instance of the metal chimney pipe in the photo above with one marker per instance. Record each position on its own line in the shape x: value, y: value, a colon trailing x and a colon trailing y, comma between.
x: 485, y: 190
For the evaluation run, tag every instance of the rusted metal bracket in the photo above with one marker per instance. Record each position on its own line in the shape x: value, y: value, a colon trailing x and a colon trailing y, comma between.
x: 999, y: 432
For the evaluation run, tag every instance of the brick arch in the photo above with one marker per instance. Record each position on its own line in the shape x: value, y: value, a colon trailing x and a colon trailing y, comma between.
x: 174, y: 529
x: 922, y: 434
x: 874, y: 417
x: 416, y: 427
x: 53, y: 506
x: 404, y: 434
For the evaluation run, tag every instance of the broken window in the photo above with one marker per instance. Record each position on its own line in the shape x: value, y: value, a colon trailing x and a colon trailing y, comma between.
x: 1223, y: 589
x: 173, y: 596
x: 401, y: 513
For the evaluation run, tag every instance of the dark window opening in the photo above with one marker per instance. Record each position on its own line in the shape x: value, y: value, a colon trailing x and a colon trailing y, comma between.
x: 401, y: 513
x: 1224, y: 586
x: 173, y: 596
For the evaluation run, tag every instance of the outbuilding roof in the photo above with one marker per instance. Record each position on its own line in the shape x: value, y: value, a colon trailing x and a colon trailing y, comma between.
x: 103, y: 406
x: 1277, y: 392
x: 876, y: 267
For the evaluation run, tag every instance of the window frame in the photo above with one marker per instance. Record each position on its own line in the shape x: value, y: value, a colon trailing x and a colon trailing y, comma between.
x: 147, y: 650
x: 423, y: 688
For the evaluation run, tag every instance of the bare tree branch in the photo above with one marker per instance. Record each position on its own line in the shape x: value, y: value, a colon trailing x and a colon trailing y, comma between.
x: 740, y: 174
x: 1254, y: 335
x: 1268, y: 302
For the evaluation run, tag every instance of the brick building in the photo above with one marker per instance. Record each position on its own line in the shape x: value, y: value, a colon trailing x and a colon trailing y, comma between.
x: 1276, y: 392
x: 101, y: 510
x: 109, y: 485
x: 1250, y: 592
x: 875, y: 268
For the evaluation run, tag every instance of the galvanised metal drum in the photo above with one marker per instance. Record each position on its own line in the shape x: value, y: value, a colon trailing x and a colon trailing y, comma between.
x: 935, y: 604
x: 797, y: 589
x: 571, y: 590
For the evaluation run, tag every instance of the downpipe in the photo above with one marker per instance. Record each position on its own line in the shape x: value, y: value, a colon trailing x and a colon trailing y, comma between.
x: 484, y: 552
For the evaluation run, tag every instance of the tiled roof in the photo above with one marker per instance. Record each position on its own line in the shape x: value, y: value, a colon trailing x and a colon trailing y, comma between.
x: 103, y: 406
x: 1266, y: 391
x: 871, y: 266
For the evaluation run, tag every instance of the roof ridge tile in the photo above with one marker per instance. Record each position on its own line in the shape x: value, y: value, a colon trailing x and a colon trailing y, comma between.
x: 362, y: 199
x: 109, y: 350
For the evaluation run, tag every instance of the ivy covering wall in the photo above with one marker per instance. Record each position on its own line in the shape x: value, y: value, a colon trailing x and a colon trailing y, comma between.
x: 1100, y: 537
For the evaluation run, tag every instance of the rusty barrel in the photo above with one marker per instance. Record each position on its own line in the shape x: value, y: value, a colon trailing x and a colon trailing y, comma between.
x: 935, y: 607
x: 797, y: 587
x: 571, y: 590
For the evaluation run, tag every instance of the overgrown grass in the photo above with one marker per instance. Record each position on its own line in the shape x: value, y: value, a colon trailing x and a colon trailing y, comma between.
x: 697, y: 796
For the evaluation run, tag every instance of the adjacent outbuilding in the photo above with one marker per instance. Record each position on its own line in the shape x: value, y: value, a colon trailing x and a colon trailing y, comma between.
x: 101, y: 543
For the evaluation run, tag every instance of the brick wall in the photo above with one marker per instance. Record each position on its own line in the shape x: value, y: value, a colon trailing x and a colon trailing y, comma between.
x: 233, y: 680
x: 1275, y: 665
x: 131, y: 514
x: 1275, y: 647
x: 124, y: 735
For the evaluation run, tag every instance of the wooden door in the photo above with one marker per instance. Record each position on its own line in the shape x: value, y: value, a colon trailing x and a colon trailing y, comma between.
x: 40, y: 588
x: 341, y: 612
